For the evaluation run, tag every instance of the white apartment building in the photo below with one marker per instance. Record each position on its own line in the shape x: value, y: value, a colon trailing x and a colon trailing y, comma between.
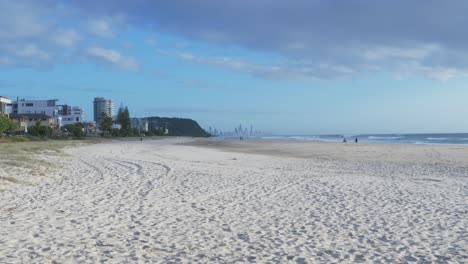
x: 45, y: 107
x: 5, y: 105
x: 61, y: 114
x: 100, y: 106
x: 71, y: 115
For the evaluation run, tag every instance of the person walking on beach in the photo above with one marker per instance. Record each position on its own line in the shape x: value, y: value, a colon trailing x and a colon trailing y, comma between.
x: 355, y: 140
x: 344, y: 140
x: 141, y: 139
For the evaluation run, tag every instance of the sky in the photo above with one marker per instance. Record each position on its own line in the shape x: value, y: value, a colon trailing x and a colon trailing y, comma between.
x: 296, y: 67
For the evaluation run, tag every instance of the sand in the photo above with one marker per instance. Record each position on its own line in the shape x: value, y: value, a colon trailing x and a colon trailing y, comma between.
x: 212, y: 201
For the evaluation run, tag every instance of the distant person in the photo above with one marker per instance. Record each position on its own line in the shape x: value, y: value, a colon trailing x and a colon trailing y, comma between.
x: 355, y: 140
x: 344, y: 140
x: 141, y: 139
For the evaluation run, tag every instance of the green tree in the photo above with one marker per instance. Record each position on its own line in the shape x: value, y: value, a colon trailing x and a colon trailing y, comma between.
x: 123, y: 118
x: 135, y: 132
x: 115, y: 132
x: 120, y: 114
x: 6, y: 124
x: 35, y: 130
x: 126, y: 119
x: 106, y: 123
x: 39, y: 130
x: 75, y: 129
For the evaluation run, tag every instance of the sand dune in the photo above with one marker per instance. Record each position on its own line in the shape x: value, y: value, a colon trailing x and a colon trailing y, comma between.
x: 206, y: 201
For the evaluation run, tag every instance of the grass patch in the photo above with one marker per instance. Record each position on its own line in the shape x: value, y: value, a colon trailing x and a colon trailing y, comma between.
x: 13, y: 139
x: 10, y: 179
x: 27, y: 157
x: 14, y: 180
x: 38, y: 147
x: 13, y: 163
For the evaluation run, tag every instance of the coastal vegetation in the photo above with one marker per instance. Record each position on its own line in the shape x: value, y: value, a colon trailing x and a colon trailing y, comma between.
x: 176, y: 127
x: 39, y: 130
x: 106, y: 123
x: 123, y: 118
x: 76, y: 130
x: 22, y: 158
x: 6, y: 124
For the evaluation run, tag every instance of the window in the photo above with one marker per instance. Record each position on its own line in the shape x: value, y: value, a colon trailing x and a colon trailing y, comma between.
x: 29, y: 104
x: 77, y: 119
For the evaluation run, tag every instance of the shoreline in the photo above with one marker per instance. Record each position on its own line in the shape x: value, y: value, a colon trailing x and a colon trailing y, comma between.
x: 455, y: 155
x: 412, y: 138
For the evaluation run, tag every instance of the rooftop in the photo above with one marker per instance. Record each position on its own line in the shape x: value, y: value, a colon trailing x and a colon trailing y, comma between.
x: 33, y: 116
x: 4, y: 100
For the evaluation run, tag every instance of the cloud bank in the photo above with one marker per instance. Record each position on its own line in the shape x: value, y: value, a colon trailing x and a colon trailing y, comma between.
x: 42, y: 33
x: 314, y: 38
x: 405, y: 37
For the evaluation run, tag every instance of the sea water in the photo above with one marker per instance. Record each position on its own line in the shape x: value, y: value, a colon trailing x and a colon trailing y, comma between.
x: 433, y: 139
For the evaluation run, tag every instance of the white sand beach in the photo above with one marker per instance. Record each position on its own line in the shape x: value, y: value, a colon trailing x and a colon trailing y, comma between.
x: 213, y: 201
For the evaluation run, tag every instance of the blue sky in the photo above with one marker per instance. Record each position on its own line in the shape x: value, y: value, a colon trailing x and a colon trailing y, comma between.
x: 286, y: 67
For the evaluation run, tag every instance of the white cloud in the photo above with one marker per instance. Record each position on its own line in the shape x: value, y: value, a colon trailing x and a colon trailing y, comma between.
x: 321, y: 37
x: 29, y: 35
x: 285, y: 70
x: 443, y: 73
x: 401, y: 53
x: 66, y: 38
x: 311, y: 45
x: 32, y: 34
x: 22, y: 19
x: 438, y: 73
x: 112, y: 58
x: 28, y: 54
x: 31, y: 51
x: 104, y: 26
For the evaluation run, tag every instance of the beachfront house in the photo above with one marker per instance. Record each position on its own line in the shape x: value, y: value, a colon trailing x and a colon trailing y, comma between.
x: 89, y: 128
x: 62, y: 114
x: 21, y: 122
x: 27, y: 120
x: 70, y: 114
x: 40, y: 108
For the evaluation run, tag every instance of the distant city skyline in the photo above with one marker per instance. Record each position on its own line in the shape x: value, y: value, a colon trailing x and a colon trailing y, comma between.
x: 291, y: 68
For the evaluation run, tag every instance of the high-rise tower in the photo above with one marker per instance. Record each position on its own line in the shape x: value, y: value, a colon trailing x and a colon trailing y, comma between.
x: 102, y: 105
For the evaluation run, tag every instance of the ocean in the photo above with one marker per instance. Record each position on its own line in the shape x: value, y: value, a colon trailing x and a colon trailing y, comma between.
x: 428, y: 139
